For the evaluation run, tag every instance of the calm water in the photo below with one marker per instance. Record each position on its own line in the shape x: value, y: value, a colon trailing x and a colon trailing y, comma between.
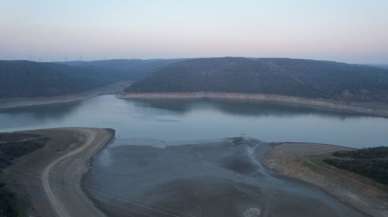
x: 169, y: 122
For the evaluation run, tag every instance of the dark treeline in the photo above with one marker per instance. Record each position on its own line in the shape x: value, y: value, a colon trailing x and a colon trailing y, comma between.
x: 34, y: 79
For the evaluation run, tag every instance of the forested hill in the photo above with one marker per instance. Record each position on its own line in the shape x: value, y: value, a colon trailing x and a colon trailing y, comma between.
x: 382, y: 66
x: 291, y: 77
x: 30, y: 79
x: 36, y: 79
x: 123, y: 69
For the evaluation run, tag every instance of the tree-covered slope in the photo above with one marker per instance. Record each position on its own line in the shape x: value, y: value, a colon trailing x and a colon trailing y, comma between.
x: 124, y: 69
x: 31, y: 79
x: 292, y: 77
x: 34, y: 79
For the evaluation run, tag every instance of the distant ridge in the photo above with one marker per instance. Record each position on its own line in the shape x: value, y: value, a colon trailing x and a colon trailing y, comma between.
x: 123, y: 69
x: 21, y: 78
x: 383, y: 66
x: 280, y: 76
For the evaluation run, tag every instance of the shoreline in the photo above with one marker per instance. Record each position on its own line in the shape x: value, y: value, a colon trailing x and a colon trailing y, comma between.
x: 371, y: 109
x: 37, y: 176
x: 61, y: 169
x: 10, y: 103
x: 303, y: 162
x: 82, y: 182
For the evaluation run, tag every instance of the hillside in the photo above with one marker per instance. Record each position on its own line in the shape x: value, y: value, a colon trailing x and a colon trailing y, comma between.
x: 31, y: 79
x: 382, y: 66
x: 290, y: 77
x: 40, y: 79
x: 123, y: 69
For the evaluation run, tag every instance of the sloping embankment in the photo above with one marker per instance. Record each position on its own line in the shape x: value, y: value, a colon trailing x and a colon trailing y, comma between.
x: 304, y: 161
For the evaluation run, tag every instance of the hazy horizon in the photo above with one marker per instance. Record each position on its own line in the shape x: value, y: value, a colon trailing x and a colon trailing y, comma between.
x: 186, y: 58
x: 346, y: 31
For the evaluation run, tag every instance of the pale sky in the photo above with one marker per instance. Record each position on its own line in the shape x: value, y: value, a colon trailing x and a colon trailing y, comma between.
x: 354, y: 31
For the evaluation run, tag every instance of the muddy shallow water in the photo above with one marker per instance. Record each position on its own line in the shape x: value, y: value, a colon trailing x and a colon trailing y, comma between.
x: 223, y: 178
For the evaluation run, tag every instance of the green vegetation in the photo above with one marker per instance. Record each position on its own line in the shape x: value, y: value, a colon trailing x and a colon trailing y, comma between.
x: 369, y: 162
x: 290, y: 77
x: 12, y: 146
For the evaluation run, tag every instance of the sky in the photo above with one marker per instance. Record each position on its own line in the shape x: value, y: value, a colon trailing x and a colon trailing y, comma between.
x: 354, y: 31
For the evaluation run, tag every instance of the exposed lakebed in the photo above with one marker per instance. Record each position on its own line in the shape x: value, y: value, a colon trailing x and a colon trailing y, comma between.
x: 222, y: 178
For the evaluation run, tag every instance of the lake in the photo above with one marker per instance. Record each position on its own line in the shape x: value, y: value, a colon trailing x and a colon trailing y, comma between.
x: 139, y: 174
x: 172, y: 122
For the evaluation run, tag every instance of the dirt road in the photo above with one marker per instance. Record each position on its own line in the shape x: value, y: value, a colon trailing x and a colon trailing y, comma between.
x: 50, y: 178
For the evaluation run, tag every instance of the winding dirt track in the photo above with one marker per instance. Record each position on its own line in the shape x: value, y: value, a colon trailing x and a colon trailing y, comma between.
x: 69, y: 200
x: 49, y: 179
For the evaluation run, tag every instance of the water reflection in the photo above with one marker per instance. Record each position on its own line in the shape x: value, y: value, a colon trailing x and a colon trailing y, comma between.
x: 55, y: 111
x: 169, y: 121
x: 256, y: 109
x: 23, y: 117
